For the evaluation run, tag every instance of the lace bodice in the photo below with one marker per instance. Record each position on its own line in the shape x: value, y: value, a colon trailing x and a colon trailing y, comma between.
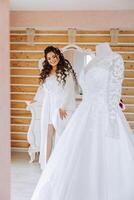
x: 101, y: 82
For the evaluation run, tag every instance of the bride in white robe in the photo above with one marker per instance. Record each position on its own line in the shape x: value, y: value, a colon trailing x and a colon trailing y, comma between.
x: 59, y: 100
x: 94, y: 158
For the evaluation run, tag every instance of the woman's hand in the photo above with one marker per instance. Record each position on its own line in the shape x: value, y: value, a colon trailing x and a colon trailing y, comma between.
x: 63, y: 113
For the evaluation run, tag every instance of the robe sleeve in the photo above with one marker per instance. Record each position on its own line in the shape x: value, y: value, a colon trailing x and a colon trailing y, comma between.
x: 39, y: 94
x: 68, y: 92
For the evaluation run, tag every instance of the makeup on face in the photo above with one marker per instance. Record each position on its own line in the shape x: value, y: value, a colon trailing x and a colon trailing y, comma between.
x: 53, y: 59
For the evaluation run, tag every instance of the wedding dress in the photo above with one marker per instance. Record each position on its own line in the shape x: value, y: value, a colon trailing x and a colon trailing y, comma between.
x: 94, y: 158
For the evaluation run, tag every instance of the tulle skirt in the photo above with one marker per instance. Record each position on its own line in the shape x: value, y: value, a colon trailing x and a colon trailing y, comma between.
x: 88, y: 165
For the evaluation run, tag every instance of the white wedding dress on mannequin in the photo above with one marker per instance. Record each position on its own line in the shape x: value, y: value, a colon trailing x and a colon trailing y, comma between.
x: 94, y: 158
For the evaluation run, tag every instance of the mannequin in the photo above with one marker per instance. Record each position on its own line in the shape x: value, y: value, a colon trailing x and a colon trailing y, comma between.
x: 103, y: 49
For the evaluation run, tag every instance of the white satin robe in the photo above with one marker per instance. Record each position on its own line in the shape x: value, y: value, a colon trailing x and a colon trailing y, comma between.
x: 55, y: 96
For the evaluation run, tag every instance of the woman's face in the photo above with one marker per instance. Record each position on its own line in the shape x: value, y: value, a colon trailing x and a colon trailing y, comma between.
x: 52, y: 59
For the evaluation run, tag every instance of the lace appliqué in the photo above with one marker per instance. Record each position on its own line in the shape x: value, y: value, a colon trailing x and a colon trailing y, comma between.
x: 114, y: 93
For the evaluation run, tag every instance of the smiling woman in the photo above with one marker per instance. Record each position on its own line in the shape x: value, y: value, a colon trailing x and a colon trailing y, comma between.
x: 58, y: 79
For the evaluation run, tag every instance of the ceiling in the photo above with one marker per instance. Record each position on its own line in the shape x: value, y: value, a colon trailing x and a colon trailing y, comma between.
x: 71, y: 5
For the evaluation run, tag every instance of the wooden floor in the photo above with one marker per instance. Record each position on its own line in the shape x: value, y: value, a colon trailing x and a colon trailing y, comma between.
x: 24, y: 176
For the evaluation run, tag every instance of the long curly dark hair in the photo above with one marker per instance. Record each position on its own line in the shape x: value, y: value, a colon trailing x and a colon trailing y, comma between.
x: 64, y: 67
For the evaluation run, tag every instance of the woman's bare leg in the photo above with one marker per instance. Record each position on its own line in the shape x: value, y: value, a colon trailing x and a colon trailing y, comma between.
x: 51, y: 132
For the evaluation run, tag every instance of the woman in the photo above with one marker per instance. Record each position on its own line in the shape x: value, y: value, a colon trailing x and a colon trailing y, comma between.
x: 58, y: 79
x: 94, y: 158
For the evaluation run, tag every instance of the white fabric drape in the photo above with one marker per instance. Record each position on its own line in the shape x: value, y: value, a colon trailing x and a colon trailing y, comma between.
x: 55, y: 96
